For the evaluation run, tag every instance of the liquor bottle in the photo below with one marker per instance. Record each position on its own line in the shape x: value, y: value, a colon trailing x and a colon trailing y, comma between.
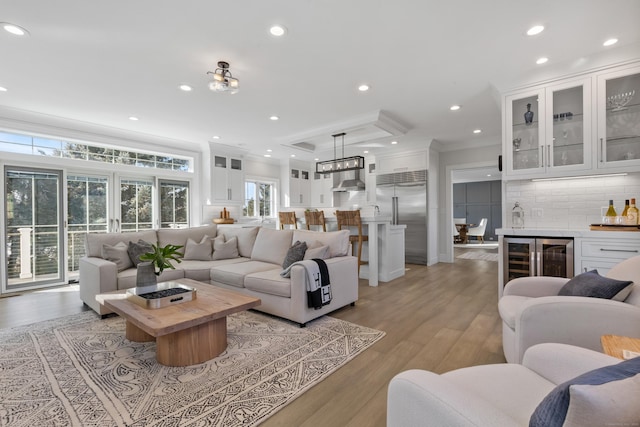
x: 632, y: 213
x: 610, y: 216
x: 626, y: 208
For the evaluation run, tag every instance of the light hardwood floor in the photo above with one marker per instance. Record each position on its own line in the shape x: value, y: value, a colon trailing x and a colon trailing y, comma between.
x: 437, y: 318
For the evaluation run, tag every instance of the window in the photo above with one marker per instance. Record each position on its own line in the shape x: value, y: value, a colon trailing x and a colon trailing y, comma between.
x: 136, y: 208
x: 174, y: 204
x: 259, y: 200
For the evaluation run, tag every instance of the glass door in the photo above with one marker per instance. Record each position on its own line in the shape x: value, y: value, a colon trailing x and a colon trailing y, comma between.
x: 554, y: 257
x: 619, y: 119
x: 519, y: 258
x: 34, y: 228
x: 525, y: 132
x: 568, y: 139
x: 174, y: 204
x: 136, y: 204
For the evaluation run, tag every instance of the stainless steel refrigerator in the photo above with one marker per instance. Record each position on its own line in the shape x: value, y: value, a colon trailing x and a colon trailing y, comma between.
x: 403, y: 196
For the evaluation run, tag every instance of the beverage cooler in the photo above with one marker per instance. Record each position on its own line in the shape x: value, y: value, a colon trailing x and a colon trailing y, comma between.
x: 537, y: 256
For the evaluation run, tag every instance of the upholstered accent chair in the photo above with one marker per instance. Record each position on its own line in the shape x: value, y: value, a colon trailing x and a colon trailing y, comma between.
x: 478, y: 231
x: 502, y: 395
x: 532, y: 312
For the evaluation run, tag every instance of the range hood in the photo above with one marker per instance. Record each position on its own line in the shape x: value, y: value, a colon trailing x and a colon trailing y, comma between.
x: 349, y: 181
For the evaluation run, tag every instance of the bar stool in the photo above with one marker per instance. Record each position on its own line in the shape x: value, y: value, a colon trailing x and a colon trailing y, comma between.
x: 315, y: 218
x: 347, y: 219
x: 287, y: 218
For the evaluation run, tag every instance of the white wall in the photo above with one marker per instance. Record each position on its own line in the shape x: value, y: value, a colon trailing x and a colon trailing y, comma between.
x: 571, y: 203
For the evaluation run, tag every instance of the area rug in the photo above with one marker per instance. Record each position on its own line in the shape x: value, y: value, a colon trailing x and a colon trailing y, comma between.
x: 485, y: 256
x: 81, y: 371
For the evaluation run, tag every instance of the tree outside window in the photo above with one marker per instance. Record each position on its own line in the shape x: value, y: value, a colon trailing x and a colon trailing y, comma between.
x: 259, y: 199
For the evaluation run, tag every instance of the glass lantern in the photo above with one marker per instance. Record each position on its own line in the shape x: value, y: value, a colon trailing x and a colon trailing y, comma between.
x: 517, y: 216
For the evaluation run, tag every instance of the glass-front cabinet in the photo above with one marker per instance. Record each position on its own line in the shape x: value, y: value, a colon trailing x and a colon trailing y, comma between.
x: 619, y: 119
x: 549, y: 130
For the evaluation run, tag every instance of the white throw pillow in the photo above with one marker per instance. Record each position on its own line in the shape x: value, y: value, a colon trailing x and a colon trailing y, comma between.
x: 225, y: 249
x: 198, y: 251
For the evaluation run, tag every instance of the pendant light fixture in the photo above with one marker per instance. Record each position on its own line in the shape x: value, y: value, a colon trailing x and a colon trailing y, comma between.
x: 222, y: 80
x: 342, y: 164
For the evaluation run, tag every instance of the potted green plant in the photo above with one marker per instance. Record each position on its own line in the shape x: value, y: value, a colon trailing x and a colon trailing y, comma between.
x: 154, y: 262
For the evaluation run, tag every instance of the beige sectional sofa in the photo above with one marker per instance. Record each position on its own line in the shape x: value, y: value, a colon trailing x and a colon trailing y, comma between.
x: 254, y: 271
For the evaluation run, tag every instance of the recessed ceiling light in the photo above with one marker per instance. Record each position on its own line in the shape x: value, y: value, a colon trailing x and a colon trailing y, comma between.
x: 274, y: 118
x: 477, y: 130
x: 215, y: 137
x: 366, y: 151
x: 454, y: 107
x: 293, y: 155
x: 269, y: 150
x: 278, y: 30
x: 488, y: 174
x: 16, y: 30
x: 316, y: 159
x: 3, y: 89
x: 134, y: 118
x: 363, y: 88
x: 267, y: 155
x: 542, y: 60
x: 185, y: 88
x: 536, y: 29
x: 610, y: 42
x: 394, y: 142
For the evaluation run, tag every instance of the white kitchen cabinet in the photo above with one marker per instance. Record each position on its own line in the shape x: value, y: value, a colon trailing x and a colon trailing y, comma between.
x: 321, y: 194
x: 401, y: 162
x: 296, y: 184
x: 548, y: 130
x: 580, y: 125
x: 618, y: 144
x: 228, y: 179
x: 603, y: 253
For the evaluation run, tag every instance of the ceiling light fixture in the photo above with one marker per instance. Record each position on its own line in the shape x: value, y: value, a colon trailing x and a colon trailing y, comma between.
x: 223, y: 81
x: 610, y: 42
x: 215, y: 137
x: 394, y: 142
x: 342, y: 164
x: 477, y: 131
x: 454, y: 107
x: 363, y: 88
x: 14, y: 29
x: 185, y: 88
x: 133, y: 118
x: 542, y: 60
x: 3, y: 89
x: 277, y: 30
x: 536, y: 29
x: 267, y: 155
x: 274, y: 118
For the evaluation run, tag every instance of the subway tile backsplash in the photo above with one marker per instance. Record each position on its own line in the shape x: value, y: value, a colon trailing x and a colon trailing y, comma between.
x: 569, y: 204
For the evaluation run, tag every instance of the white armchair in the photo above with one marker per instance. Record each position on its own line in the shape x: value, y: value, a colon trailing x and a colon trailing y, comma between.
x: 489, y: 395
x: 478, y: 231
x: 533, y: 313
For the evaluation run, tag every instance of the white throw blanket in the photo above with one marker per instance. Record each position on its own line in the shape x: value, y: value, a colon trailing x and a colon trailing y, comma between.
x: 317, y: 281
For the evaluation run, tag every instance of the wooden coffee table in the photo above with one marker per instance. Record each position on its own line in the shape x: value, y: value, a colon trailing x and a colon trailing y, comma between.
x: 188, y: 333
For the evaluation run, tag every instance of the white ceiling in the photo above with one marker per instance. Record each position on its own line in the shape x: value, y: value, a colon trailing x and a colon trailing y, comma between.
x: 101, y: 62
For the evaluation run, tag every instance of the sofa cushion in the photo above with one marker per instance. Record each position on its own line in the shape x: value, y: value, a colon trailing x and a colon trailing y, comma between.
x: 197, y: 270
x: 555, y: 407
x: 136, y: 249
x: 93, y: 241
x: 321, y: 252
x: 179, y: 236
x: 198, y: 251
x: 234, y: 274
x: 117, y: 254
x: 294, y: 254
x: 269, y: 282
x: 246, y: 238
x: 225, y: 249
x: 338, y: 241
x: 509, y: 306
x: 272, y: 245
x: 591, y: 284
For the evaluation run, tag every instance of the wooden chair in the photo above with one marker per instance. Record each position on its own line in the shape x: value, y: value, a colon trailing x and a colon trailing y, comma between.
x: 287, y: 218
x: 347, y: 220
x: 315, y: 218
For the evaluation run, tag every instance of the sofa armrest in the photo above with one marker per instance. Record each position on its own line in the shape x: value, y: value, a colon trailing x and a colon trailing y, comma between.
x: 423, y: 398
x: 578, y: 321
x: 535, y: 286
x: 97, y: 276
x: 561, y: 362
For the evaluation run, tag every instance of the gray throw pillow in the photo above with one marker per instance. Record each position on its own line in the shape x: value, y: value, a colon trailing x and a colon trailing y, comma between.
x: 198, y: 251
x: 295, y: 253
x: 137, y: 249
x: 591, y: 284
x: 321, y: 252
x: 117, y: 254
x: 554, y: 409
x: 225, y: 250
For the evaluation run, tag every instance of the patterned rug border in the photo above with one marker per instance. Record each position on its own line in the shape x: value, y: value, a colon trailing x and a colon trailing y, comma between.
x: 78, y: 369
